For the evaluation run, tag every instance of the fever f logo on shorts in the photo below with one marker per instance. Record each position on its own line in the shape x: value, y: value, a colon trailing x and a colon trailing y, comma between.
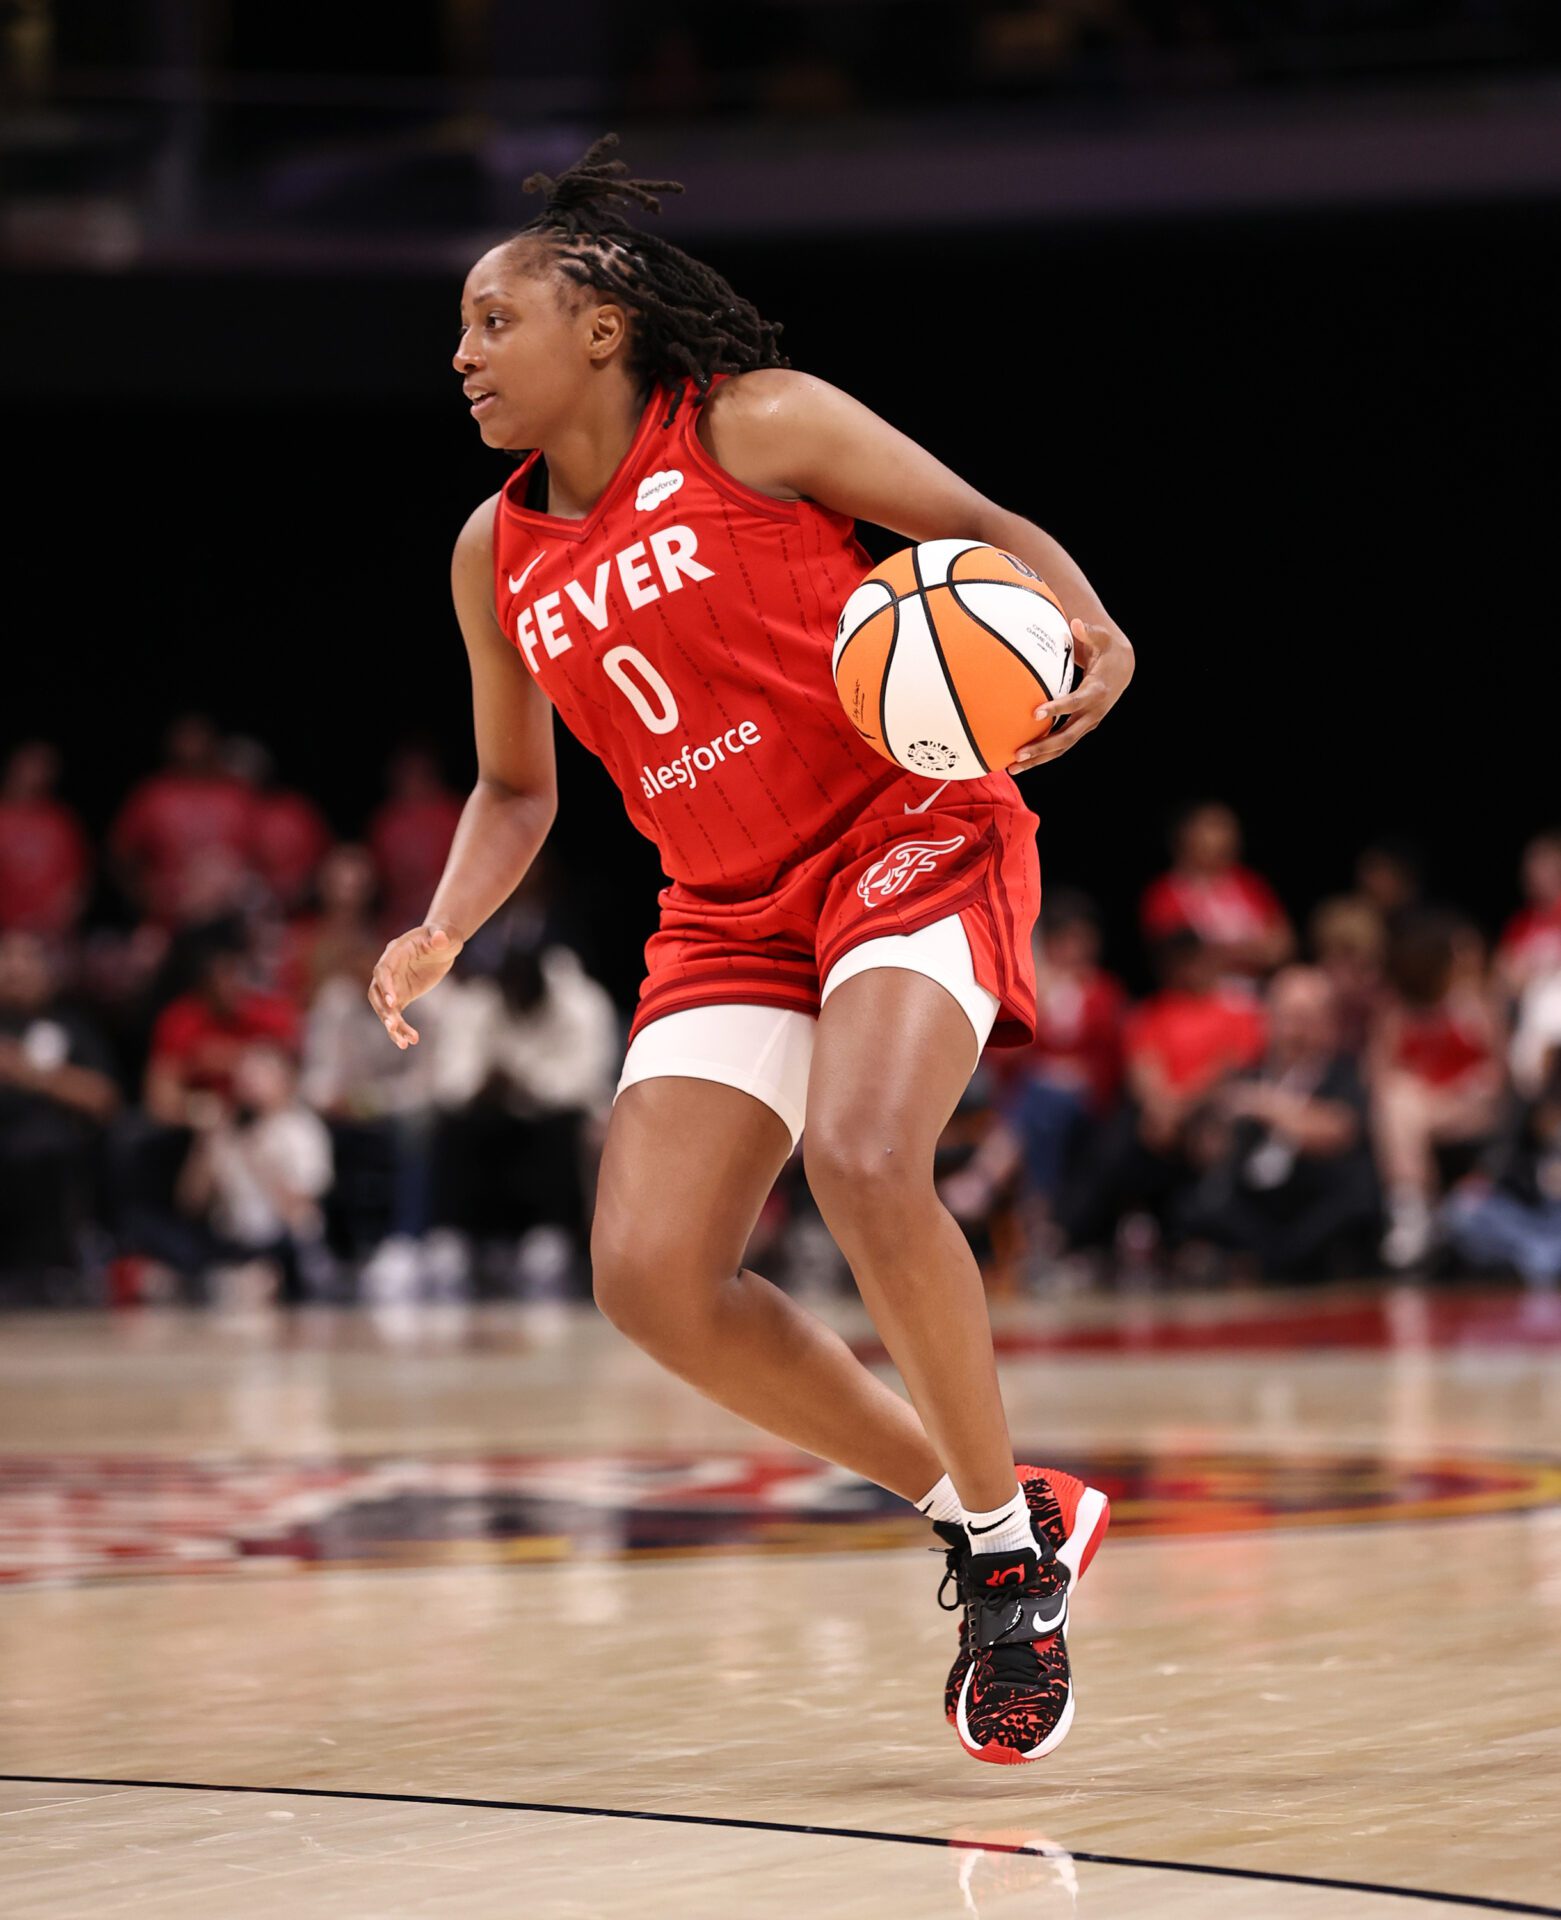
x: 900, y: 866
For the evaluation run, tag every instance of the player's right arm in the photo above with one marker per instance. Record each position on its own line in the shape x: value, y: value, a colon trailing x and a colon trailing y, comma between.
x: 511, y: 807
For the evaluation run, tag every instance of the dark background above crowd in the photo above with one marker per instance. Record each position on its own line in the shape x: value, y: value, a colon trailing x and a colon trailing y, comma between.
x: 252, y: 137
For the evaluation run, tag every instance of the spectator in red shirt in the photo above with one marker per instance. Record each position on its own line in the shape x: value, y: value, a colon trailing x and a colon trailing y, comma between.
x: 199, y: 1037
x: 1180, y: 1045
x: 197, y: 1042
x: 289, y: 834
x: 1185, y: 1039
x: 1079, y: 1009
x: 1233, y: 910
x: 45, y: 862
x: 1435, y: 1073
x: 192, y: 807
x: 1531, y: 940
x: 410, y: 836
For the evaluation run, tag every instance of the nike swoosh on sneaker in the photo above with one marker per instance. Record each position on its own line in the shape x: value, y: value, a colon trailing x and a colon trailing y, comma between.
x: 517, y: 581
x: 1040, y: 1626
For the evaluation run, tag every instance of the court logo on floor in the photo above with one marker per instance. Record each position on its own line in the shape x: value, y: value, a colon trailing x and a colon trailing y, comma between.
x: 77, y: 1517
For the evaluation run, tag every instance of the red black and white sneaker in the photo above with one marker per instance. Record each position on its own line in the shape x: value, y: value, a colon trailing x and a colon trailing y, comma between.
x: 1068, y: 1516
x: 1016, y: 1699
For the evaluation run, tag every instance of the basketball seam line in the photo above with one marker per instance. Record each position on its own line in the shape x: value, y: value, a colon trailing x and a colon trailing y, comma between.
x: 1002, y: 639
x: 845, y: 646
x: 943, y: 665
x: 883, y: 684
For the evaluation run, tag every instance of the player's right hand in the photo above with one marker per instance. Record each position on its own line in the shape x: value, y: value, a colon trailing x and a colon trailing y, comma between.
x: 409, y: 966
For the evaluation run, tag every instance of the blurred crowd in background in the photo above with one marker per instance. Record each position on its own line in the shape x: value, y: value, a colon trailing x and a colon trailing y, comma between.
x: 182, y: 130
x: 688, y: 57
x: 825, y: 58
x: 197, y: 1102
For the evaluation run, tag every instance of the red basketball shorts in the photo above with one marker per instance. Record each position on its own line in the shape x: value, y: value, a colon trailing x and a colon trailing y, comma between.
x: 889, y: 873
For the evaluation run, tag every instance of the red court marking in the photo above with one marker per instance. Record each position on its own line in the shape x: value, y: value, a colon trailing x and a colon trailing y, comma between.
x: 1403, y: 1318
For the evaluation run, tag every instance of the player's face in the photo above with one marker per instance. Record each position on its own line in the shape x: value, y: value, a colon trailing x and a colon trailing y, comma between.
x: 521, y: 354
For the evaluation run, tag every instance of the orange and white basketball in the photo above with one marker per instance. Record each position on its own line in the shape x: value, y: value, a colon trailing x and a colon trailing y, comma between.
x: 943, y: 654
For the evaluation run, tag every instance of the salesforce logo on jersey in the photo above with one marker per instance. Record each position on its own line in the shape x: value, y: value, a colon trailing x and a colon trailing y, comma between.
x: 656, y: 487
x: 692, y: 761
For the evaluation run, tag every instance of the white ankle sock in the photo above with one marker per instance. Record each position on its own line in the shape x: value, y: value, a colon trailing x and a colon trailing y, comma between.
x: 1004, y: 1529
x: 942, y: 1503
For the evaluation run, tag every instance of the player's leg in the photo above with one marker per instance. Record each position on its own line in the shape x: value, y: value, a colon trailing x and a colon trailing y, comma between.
x: 902, y: 1026
x: 892, y: 1055
x: 687, y: 1166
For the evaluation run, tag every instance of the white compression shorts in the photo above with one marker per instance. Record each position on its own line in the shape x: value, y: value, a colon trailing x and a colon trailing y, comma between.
x: 767, y: 1051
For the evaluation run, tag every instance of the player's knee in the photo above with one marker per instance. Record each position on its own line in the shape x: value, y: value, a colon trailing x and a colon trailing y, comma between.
x: 622, y: 1282
x: 866, y: 1181
x: 645, y: 1285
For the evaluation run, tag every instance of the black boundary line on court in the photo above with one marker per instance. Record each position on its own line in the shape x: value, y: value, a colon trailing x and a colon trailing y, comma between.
x: 1484, y: 1902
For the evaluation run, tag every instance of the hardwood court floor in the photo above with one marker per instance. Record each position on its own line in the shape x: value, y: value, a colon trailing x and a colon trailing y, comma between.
x: 322, y: 1562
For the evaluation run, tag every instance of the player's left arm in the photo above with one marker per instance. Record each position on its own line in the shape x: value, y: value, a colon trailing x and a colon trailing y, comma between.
x: 792, y: 436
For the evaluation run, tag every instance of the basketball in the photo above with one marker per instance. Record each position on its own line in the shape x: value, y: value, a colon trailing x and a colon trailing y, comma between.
x: 944, y: 652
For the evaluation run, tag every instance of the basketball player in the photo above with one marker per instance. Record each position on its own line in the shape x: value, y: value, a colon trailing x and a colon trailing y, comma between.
x: 838, y: 938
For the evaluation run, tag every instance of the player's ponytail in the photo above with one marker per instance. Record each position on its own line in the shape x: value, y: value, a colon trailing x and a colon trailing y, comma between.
x: 688, y: 323
x: 594, y: 182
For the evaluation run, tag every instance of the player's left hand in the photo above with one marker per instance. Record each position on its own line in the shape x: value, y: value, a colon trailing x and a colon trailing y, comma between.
x: 1106, y: 655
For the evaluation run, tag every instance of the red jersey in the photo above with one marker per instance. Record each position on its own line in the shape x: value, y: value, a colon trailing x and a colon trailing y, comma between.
x: 410, y: 841
x: 1196, y: 1038
x: 291, y: 838
x: 1078, y: 1036
x: 44, y: 865
x: 1237, y: 904
x: 206, y: 1044
x: 172, y: 818
x: 1441, y: 1044
x: 683, y: 630
x: 1531, y: 942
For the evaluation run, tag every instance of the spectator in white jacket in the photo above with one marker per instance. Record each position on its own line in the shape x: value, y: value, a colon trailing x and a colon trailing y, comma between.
x: 255, y: 1177
x: 523, y: 1065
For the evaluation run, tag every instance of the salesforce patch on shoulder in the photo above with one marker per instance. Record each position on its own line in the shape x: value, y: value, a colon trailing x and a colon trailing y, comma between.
x: 656, y: 487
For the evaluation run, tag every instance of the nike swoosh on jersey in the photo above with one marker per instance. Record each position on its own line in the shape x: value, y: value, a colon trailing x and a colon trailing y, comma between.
x: 517, y: 581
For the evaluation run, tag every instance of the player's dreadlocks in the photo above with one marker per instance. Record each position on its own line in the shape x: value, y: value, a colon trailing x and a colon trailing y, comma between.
x: 687, y: 320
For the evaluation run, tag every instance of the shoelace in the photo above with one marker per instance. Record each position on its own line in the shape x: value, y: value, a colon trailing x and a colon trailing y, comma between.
x: 1015, y: 1666
x: 951, y: 1559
